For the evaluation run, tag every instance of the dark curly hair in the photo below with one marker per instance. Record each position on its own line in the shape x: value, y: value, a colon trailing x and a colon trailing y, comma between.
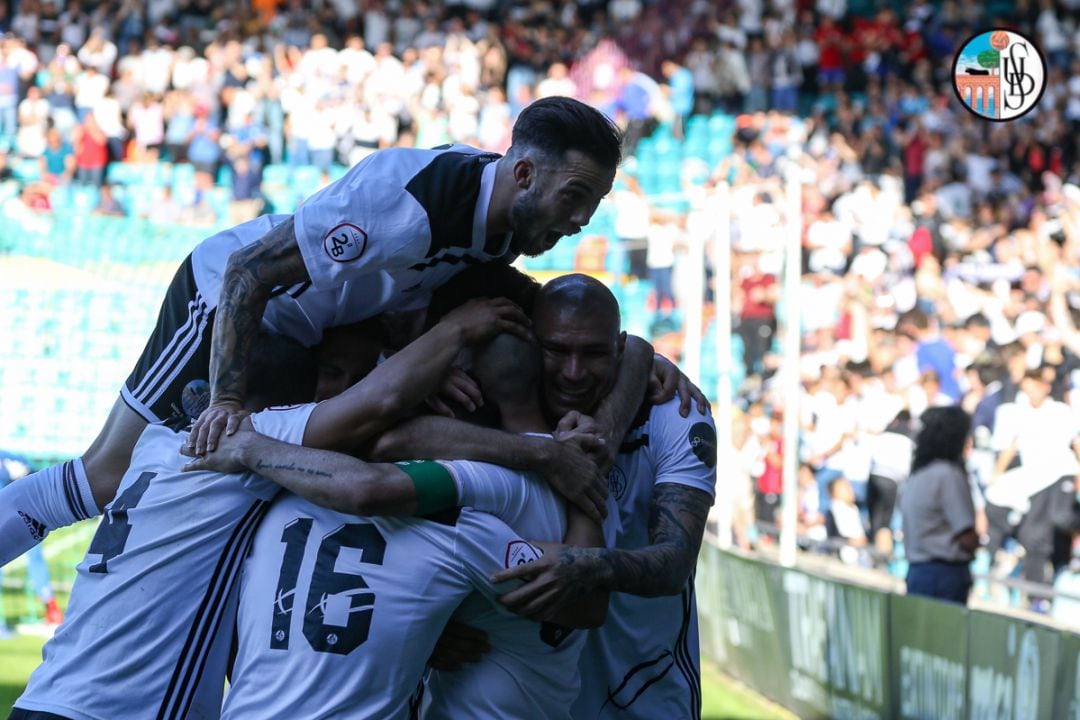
x: 555, y: 125
x: 942, y: 436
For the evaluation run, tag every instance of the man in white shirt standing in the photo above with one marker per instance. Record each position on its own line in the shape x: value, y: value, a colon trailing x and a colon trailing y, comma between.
x: 1044, y: 433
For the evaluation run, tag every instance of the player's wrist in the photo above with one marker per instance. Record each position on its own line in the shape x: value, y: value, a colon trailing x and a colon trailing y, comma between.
x: 537, y: 453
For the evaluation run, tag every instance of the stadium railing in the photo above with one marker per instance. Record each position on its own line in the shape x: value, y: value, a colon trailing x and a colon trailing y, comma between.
x: 827, y: 647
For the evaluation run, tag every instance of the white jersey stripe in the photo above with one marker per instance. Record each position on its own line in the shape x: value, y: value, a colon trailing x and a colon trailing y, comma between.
x: 181, y: 361
x: 682, y: 652
x: 189, y: 665
x: 167, y: 355
x: 180, y: 340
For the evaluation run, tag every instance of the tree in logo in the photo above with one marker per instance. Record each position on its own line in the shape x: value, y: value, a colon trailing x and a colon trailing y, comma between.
x: 989, y: 59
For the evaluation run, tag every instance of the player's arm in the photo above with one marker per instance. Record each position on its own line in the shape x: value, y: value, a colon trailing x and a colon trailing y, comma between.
x: 565, y: 466
x: 334, y: 480
x: 349, y: 421
x: 250, y: 276
x: 677, y: 517
x: 589, y: 608
x: 616, y: 411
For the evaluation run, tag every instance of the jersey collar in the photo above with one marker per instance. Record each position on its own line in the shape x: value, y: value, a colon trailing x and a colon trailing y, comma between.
x: 495, y: 246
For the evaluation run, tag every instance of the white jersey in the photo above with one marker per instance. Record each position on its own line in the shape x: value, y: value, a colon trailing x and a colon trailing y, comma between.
x: 383, y: 237
x: 348, y: 609
x: 531, y: 671
x: 644, y: 662
x: 148, y: 628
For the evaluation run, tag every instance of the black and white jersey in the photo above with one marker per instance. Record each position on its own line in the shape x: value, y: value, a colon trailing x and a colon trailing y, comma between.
x: 383, y: 237
x: 152, y: 610
x: 339, y: 614
x: 644, y: 661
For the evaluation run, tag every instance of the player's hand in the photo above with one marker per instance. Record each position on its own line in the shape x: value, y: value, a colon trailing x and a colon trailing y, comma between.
x: 571, y: 472
x: 482, y: 319
x: 560, y: 579
x: 590, y: 436
x: 459, y: 387
x: 228, y: 457
x: 667, y: 380
x: 221, y: 417
x: 457, y: 646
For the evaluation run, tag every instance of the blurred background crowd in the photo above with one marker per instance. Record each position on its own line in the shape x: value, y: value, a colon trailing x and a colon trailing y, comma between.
x: 941, y: 252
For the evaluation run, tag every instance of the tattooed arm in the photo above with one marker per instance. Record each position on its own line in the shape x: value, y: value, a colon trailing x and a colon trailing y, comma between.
x: 676, y: 524
x: 566, y: 575
x: 330, y: 479
x: 250, y: 276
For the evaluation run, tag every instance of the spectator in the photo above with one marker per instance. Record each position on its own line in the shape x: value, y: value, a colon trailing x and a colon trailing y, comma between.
x: 842, y: 520
x: 932, y: 352
x: 58, y: 159
x: 9, y: 95
x: 1045, y: 435
x: 680, y: 91
x: 33, y: 124
x: 91, y: 152
x: 165, y: 211
x: 890, y: 463
x: 937, y: 509
x: 146, y: 120
x: 247, y: 200
x: 203, y: 150
x: 756, y: 299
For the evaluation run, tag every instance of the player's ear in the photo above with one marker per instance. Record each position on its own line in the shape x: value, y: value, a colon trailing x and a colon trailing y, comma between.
x: 524, y: 172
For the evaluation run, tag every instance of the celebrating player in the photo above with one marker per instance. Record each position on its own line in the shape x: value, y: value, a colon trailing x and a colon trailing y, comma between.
x: 396, y: 226
x: 644, y: 661
x: 149, y: 624
x: 350, y: 608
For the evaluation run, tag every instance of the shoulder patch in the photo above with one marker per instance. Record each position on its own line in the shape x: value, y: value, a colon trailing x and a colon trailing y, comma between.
x: 703, y: 442
x: 345, y: 242
x: 519, y: 552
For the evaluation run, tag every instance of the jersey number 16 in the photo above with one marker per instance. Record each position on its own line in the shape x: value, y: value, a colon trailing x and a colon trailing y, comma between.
x: 325, y: 583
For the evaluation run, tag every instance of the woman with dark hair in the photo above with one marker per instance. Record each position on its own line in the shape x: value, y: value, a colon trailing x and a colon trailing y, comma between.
x: 937, y: 509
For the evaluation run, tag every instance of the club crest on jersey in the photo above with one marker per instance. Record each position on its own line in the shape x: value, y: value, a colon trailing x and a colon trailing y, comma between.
x: 703, y: 443
x: 616, y: 482
x: 345, y: 243
x: 519, y: 552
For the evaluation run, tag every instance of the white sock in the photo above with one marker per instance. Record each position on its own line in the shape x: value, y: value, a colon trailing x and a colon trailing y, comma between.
x: 33, y: 506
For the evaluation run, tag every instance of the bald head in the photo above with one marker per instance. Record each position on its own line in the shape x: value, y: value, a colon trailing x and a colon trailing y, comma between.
x: 576, y: 319
x: 507, y: 368
x: 579, y: 294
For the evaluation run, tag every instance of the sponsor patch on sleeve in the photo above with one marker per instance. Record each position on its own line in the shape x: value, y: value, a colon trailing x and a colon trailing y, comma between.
x: 703, y: 443
x: 345, y: 242
x: 519, y: 552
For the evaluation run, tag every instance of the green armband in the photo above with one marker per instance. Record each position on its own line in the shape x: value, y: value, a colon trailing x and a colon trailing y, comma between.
x: 435, y: 488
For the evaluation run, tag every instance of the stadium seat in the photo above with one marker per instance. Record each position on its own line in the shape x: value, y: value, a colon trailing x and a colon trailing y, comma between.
x: 276, y: 175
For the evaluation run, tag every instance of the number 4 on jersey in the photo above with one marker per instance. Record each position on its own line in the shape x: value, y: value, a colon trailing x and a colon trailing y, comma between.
x: 112, y: 533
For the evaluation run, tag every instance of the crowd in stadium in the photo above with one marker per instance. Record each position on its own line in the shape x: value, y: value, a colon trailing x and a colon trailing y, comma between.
x: 940, y: 252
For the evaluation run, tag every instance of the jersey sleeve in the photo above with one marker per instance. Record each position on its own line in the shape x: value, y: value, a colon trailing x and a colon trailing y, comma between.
x: 684, y: 449
x: 362, y: 223
x: 485, y: 545
x: 286, y: 422
x: 485, y: 487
